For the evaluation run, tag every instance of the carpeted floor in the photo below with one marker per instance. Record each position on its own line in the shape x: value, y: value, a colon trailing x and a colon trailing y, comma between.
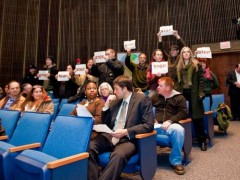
x: 220, y: 162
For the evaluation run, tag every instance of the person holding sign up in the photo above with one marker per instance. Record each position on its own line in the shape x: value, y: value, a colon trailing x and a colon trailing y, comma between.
x: 191, y: 85
x: 172, y: 56
x: 156, y: 69
x: 110, y: 69
x: 48, y: 74
x: 139, y: 71
x: 68, y: 87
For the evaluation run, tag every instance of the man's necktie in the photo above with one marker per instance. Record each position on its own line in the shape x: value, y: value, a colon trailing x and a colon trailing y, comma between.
x: 121, y: 121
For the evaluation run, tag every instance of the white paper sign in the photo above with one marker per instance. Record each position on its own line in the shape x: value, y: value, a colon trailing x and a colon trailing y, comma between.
x: 82, y: 111
x: 159, y: 67
x: 42, y: 74
x: 129, y: 44
x: 225, y: 45
x: 80, y: 69
x: 166, y: 30
x: 102, y: 128
x: 204, y: 52
x: 100, y: 56
x: 63, y: 76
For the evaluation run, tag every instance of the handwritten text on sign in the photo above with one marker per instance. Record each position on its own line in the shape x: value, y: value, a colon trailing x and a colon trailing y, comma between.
x: 63, y: 76
x: 129, y: 44
x: 42, y: 75
x: 166, y: 30
x: 100, y: 56
x: 80, y: 69
x: 159, y: 67
x: 204, y: 52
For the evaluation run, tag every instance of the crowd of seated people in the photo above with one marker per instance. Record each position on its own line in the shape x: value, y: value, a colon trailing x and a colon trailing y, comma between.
x: 102, y: 90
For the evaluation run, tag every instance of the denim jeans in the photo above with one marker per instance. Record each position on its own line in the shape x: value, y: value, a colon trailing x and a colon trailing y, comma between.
x: 175, y: 133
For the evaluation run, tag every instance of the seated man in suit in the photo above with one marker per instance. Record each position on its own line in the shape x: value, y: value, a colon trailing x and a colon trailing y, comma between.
x: 170, y: 108
x: 128, y: 115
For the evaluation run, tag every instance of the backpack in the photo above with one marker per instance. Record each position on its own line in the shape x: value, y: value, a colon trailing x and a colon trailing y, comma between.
x: 224, y: 115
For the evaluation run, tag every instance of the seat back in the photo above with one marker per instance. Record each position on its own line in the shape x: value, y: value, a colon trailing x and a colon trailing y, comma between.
x: 55, y: 100
x: 217, y: 99
x: 55, y: 110
x: 9, y: 121
x: 66, y: 109
x: 32, y: 127
x: 206, y: 104
x: 65, y: 101
x: 69, y: 135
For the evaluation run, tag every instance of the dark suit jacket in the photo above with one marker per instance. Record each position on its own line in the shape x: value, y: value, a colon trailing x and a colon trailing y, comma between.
x: 231, y: 79
x: 139, y: 117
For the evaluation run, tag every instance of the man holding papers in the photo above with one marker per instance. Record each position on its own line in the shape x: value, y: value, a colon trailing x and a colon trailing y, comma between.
x: 128, y: 115
x: 170, y: 108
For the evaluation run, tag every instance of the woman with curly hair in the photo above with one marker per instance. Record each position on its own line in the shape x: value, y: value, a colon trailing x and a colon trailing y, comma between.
x: 38, y: 101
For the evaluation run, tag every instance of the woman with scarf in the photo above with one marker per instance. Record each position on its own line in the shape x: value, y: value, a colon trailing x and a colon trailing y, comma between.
x: 191, y: 85
x: 38, y: 101
x: 210, y: 80
x: 152, y: 79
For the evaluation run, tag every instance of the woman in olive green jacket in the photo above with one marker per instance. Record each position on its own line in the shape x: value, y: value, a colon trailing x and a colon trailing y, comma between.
x: 191, y: 84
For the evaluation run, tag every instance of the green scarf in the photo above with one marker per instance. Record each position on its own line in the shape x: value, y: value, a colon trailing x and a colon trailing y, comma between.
x: 190, y: 67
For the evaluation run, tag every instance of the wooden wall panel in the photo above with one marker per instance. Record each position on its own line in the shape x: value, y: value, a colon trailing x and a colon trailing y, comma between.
x: 68, y: 29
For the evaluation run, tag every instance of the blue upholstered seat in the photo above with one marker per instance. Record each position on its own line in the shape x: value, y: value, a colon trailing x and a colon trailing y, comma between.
x: 63, y: 155
x: 9, y: 121
x: 164, y: 140
x: 66, y: 109
x: 31, y: 128
x: 145, y: 161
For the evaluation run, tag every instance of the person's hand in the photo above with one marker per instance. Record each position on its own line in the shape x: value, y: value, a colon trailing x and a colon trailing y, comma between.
x: 165, y: 125
x: 159, y: 36
x: 128, y: 51
x: 86, y: 71
x: 201, y: 98
x: 56, y: 76
x: 159, y: 74
x: 175, y: 33
x: 48, y: 74
x: 237, y: 84
x: 106, y: 58
x: 110, y: 98
x: 94, y: 59
x: 119, y: 133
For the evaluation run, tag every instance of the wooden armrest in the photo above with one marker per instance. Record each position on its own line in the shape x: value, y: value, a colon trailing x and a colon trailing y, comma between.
x: 67, y: 160
x: 140, y: 136
x: 185, y: 120
x: 24, y: 147
x: 3, y: 137
x: 208, y: 112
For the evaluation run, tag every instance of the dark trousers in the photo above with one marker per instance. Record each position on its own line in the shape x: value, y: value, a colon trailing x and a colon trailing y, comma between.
x: 197, y: 123
x: 235, y: 106
x: 119, y: 157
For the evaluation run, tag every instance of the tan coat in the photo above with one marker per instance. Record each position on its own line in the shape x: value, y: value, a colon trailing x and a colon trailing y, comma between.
x: 46, y: 106
x: 15, y: 106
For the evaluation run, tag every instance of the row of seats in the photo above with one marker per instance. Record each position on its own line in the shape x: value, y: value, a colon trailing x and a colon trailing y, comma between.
x: 69, y: 136
x: 54, y: 148
x: 58, y: 154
